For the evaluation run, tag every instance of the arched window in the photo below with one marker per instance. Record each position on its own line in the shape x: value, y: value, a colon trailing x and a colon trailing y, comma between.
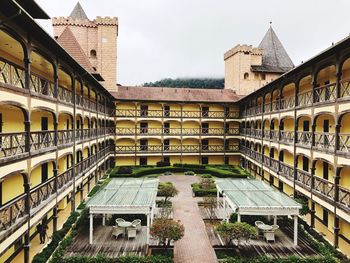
x: 93, y: 53
x: 246, y: 75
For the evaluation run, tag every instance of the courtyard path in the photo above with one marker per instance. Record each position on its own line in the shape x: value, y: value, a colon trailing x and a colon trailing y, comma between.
x: 195, y: 246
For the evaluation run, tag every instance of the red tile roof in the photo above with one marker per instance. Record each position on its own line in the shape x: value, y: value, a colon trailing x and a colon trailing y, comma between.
x: 175, y: 94
x: 71, y: 45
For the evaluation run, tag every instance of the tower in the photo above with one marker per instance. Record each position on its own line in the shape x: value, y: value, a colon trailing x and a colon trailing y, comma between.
x: 93, y: 43
x: 248, y: 68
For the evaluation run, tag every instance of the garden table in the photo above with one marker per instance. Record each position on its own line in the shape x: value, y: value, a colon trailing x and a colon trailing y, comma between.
x: 125, y: 225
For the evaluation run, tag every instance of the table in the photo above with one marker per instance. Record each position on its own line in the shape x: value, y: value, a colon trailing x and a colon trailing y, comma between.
x: 264, y: 227
x: 125, y: 225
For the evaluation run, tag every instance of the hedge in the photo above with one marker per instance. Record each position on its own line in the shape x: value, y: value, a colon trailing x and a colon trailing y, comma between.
x: 122, y: 259
x: 57, y: 236
x: 190, y: 166
x: 198, y: 191
x: 180, y: 169
x: 291, y: 259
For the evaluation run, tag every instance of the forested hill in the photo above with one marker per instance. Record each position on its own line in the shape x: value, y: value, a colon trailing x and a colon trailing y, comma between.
x: 195, y: 83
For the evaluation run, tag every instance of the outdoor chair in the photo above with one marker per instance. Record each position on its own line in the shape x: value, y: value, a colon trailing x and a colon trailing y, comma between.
x: 118, y: 220
x: 131, y: 232
x: 260, y: 232
x: 275, y: 227
x: 269, y: 235
x: 117, y: 231
x: 137, y: 224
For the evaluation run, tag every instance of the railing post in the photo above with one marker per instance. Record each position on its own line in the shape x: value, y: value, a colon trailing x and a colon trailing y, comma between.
x: 26, y: 245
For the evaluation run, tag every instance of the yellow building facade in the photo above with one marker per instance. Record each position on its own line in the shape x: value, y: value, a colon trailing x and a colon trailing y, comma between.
x: 295, y: 135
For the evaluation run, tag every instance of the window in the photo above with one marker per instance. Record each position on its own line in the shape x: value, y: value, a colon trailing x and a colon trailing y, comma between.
x: 93, y: 53
x: 256, y: 76
x: 280, y: 186
x: 204, y: 159
x: 44, y: 172
x: 263, y: 76
x: 246, y: 75
x: 143, y: 160
x: 325, y: 217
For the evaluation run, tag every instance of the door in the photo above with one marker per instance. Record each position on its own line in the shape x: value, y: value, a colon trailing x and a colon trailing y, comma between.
x: 166, y: 145
x: 166, y: 127
x: 44, y: 123
x: 205, y: 145
x: 205, y: 111
x: 306, y: 137
x: 143, y: 145
x: 143, y: 161
x: 166, y: 111
x: 143, y: 127
x: 325, y: 171
x: 306, y: 126
x: 326, y: 131
x: 44, y: 172
x: 305, y: 164
x: 205, y: 128
x: 327, y: 93
x: 205, y: 160
x: 144, y: 110
x: 67, y: 124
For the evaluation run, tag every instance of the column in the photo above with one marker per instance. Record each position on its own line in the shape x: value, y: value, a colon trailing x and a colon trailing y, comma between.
x: 275, y: 220
x: 54, y: 219
x: 26, y: 245
x: 295, y: 241
x: 148, y: 226
x: 104, y: 219
x: 91, y: 229
x: 238, y: 217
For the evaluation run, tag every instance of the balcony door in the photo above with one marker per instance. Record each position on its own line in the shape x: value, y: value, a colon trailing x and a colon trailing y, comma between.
x: 166, y: 144
x: 305, y: 164
x: 166, y: 127
x: 143, y: 127
x: 44, y: 123
x: 166, y: 111
x: 205, y: 128
x: 143, y: 145
x: 205, y: 111
x: 44, y: 172
x: 144, y: 110
x: 205, y: 145
x: 326, y: 130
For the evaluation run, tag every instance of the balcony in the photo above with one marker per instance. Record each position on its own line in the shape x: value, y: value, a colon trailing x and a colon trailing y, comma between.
x: 13, y: 145
x: 13, y: 75
x: 325, y: 141
x: 326, y: 93
x: 177, y: 131
x: 287, y: 137
x: 144, y: 149
x: 132, y: 113
x: 320, y: 186
x: 13, y: 214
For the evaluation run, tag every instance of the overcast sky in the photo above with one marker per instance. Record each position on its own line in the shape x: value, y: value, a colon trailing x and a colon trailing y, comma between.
x: 187, y: 38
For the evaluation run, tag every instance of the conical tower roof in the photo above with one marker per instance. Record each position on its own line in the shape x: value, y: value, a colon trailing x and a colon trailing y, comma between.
x: 78, y: 12
x: 275, y: 57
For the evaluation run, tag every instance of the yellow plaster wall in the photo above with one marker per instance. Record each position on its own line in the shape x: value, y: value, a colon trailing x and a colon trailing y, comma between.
x: 36, y: 120
x: 319, y: 123
x: 125, y: 106
x: 12, y: 187
x: 234, y: 160
x: 216, y: 160
x: 190, y: 107
x: 345, y: 177
x: 119, y: 161
x: 12, y: 118
x: 190, y: 124
x: 62, y: 122
x: 125, y: 124
x: 190, y: 159
x: 125, y: 142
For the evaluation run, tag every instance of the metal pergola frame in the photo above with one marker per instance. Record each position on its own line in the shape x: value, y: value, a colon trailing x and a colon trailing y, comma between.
x: 224, y: 187
x: 98, y: 206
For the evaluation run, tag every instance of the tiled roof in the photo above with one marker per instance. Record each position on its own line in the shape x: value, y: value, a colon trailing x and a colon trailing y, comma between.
x: 71, y: 45
x: 78, y: 12
x: 275, y: 57
x: 175, y: 94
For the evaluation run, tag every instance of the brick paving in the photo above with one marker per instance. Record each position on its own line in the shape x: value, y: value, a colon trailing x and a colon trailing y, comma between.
x: 195, y: 246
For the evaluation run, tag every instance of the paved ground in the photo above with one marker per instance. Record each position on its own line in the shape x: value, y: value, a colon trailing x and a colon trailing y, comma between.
x: 195, y: 246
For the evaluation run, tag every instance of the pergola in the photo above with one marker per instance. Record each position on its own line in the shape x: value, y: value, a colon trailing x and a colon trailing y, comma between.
x: 253, y: 197
x: 125, y: 196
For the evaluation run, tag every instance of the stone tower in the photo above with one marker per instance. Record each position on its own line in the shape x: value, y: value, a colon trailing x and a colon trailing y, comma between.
x: 248, y: 68
x: 93, y: 43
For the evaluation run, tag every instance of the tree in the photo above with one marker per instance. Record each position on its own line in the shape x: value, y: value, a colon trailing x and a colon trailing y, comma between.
x: 167, y: 230
x: 207, y: 183
x: 210, y: 203
x: 236, y: 231
x: 167, y: 190
x: 199, y: 83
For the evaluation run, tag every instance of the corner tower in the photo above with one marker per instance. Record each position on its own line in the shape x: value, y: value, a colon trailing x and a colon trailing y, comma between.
x: 248, y: 68
x: 96, y: 41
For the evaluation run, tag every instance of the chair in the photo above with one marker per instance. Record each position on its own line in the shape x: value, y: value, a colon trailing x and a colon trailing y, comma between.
x: 269, y: 235
x: 258, y: 223
x: 131, y: 232
x: 275, y: 227
x: 118, y: 220
x: 117, y: 231
x: 137, y: 224
x: 260, y: 232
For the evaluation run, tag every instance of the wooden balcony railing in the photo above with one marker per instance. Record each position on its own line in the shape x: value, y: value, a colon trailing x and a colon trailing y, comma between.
x: 287, y: 136
x: 344, y: 196
x: 304, y: 138
x: 303, y: 178
x: 287, y: 103
x: 345, y: 88
x: 65, y: 136
x: 64, y: 94
x: 324, y: 187
x: 305, y: 98
x: 12, y: 74
x: 287, y: 171
x: 325, y: 140
x: 325, y: 93
x: 13, y: 213
x: 41, y: 85
x: 176, y: 131
x: 120, y: 149
x: 12, y: 144
x: 344, y: 142
x: 40, y: 140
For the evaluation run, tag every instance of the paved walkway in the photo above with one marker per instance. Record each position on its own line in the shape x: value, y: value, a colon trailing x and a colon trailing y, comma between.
x: 195, y: 246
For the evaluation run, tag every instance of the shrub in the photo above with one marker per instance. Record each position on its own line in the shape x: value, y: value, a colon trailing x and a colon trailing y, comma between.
x: 124, y: 170
x: 291, y: 259
x: 249, y: 219
x: 198, y: 191
x: 191, y: 173
x: 163, y: 163
x: 236, y: 231
x: 190, y: 166
x: 122, y: 259
x: 206, y: 176
x: 167, y: 230
x: 167, y: 190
